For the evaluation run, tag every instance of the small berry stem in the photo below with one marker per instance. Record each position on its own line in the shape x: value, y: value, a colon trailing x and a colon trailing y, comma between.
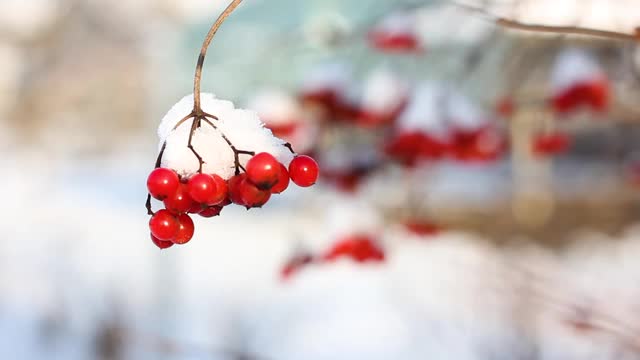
x: 288, y: 146
x: 194, y: 126
x: 198, y: 115
x: 203, y: 52
x: 158, y: 163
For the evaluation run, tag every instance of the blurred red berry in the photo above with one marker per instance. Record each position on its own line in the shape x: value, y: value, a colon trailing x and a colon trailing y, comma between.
x: 395, y: 43
x: 411, y: 147
x: 551, y: 144
x: 505, y: 107
x: 361, y: 248
x: 422, y: 228
x: 594, y: 94
x: 294, y: 265
x: 282, y: 130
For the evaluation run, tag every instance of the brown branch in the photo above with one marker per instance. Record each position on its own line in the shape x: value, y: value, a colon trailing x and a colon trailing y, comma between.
x: 198, y: 115
x: 203, y: 52
x: 570, y: 30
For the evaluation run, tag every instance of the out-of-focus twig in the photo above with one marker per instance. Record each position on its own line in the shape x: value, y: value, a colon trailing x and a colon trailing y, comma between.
x: 571, y: 30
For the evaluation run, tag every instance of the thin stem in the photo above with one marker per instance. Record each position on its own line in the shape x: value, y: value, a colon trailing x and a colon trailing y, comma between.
x: 203, y: 52
x: 158, y: 164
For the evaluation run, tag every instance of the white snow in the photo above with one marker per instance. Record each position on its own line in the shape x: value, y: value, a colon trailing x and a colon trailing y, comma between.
x: 450, y: 297
x: 573, y: 67
x: 398, y: 23
x: 618, y: 15
x: 426, y: 111
x: 276, y: 107
x: 384, y: 91
x: 333, y: 76
x: 463, y: 114
x: 242, y: 128
x: 433, y: 25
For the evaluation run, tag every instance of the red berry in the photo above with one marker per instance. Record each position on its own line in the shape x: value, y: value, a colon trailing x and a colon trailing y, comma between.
x: 360, y: 248
x: 196, y: 208
x: 506, y: 107
x: 551, y: 144
x: 163, y: 225
x: 202, y: 189
x: 234, y: 188
x: 395, y: 43
x: 263, y: 170
x: 185, y: 230
x: 226, y: 201
x: 283, y: 181
x: 222, y: 191
x: 162, y: 183
x: 210, y: 211
x: 303, y: 171
x: 422, y: 228
x: 180, y: 202
x: 160, y: 243
x: 252, y: 196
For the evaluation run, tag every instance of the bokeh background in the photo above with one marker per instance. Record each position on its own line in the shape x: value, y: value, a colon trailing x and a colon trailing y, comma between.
x: 490, y: 176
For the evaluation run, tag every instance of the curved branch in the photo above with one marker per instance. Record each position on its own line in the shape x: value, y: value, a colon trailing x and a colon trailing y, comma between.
x: 203, y: 52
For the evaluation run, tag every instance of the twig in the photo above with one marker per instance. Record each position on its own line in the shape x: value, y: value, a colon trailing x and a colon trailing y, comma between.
x: 571, y: 30
x: 203, y: 52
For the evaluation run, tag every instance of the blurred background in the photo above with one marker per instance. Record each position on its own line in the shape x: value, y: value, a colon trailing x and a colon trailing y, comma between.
x: 478, y: 195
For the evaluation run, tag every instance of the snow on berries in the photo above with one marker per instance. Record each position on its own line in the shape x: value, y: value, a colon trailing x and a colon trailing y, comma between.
x: 396, y: 33
x: 384, y: 97
x: 578, y: 81
x: 324, y: 88
x: 214, y: 155
x: 283, y: 114
x: 551, y: 144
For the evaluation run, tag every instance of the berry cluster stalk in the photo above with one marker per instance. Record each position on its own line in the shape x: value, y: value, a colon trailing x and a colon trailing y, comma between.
x: 198, y: 115
x: 203, y: 52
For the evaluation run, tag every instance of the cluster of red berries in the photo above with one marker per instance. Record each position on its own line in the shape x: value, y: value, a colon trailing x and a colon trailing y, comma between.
x: 483, y: 145
x: 551, y: 144
x: 422, y: 228
x: 394, y: 43
x: 359, y: 248
x: 206, y: 195
x: 594, y: 94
